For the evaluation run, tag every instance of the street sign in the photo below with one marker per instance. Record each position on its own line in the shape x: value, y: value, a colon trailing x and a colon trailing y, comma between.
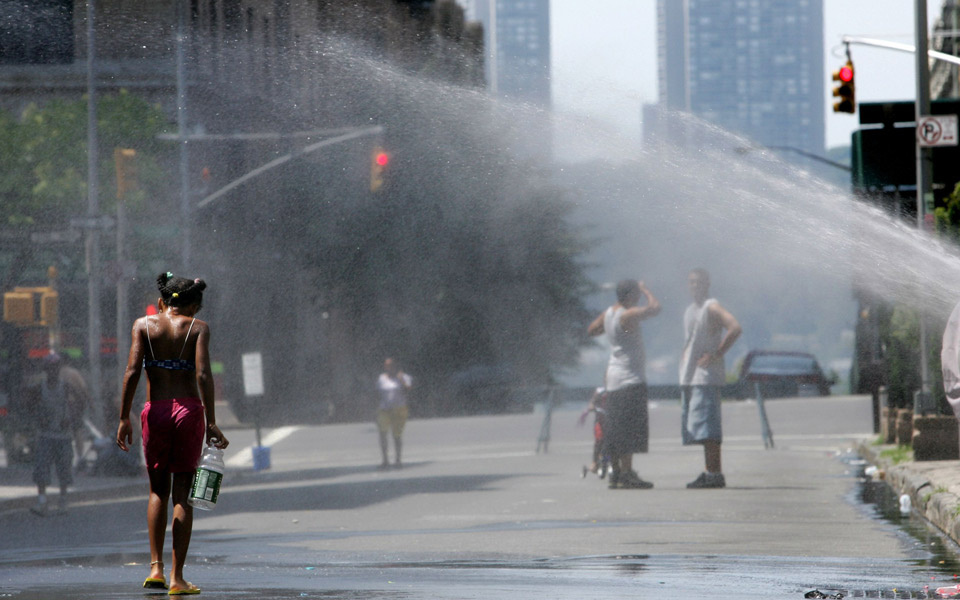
x: 252, y: 373
x: 937, y: 130
x: 99, y: 222
x: 55, y: 237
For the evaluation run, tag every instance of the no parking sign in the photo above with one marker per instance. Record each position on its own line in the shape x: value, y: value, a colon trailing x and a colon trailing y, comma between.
x: 937, y: 130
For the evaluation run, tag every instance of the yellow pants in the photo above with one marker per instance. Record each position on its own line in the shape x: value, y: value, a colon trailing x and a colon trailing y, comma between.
x: 392, y: 419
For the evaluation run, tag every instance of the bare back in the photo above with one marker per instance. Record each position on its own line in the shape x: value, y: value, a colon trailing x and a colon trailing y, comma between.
x: 170, y: 336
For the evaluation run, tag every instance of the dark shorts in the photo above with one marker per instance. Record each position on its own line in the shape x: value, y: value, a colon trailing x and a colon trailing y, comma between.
x: 57, y: 452
x: 172, y: 434
x: 627, y: 427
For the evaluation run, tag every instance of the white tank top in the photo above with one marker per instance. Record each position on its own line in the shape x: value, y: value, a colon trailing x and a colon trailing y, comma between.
x: 627, y: 364
x: 700, y: 339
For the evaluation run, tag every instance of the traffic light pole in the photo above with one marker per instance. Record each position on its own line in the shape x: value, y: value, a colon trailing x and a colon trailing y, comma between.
x: 92, y: 233
x: 934, y: 54
x: 186, y: 250
x: 350, y: 135
x: 923, y: 401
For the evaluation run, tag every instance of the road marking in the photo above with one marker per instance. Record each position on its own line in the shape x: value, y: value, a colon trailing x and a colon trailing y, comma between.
x: 244, y: 458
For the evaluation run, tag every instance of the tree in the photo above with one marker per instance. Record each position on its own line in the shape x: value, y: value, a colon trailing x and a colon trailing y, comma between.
x: 43, y: 183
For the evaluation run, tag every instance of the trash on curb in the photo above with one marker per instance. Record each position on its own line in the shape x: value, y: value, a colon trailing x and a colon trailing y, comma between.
x: 949, y: 592
x: 821, y: 595
x: 905, y: 504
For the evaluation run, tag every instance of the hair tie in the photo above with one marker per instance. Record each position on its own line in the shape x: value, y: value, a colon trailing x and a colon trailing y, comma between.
x: 197, y: 280
x: 175, y: 295
x: 169, y: 274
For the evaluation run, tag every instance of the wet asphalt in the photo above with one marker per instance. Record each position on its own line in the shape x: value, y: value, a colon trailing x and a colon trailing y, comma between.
x: 477, y: 513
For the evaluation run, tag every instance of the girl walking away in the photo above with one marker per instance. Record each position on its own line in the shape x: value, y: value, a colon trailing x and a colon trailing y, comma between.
x: 173, y: 348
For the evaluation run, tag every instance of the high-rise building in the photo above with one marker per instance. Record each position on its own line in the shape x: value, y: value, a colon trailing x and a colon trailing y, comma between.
x: 943, y: 75
x: 517, y: 43
x: 753, y: 67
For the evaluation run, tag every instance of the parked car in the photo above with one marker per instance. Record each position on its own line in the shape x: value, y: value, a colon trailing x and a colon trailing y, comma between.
x: 781, y: 374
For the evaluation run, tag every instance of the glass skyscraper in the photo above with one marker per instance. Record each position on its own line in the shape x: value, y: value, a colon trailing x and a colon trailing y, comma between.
x: 753, y: 67
x: 517, y: 47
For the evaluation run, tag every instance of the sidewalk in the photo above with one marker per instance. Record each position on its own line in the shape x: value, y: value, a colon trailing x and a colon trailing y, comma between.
x: 19, y: 492
x: 933, y: 486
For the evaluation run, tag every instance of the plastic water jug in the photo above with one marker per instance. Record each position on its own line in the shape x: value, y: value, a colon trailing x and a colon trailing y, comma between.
x: 207, y: 479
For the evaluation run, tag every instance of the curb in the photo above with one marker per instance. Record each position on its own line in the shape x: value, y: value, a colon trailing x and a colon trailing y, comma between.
x: 933, y: 486
x: 105, y: 488
x: 130, y: 487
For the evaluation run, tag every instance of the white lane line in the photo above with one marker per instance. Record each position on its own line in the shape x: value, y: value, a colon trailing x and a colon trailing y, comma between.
x: 244, y: 458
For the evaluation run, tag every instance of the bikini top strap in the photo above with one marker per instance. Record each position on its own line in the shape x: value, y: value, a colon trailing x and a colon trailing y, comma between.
x: 152, y: 355
x: 187, y: 338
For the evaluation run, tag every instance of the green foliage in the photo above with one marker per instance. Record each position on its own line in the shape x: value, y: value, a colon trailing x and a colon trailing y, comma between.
x: 902, y: 453
x: 948, y: 216
x: 45, y: 149
x: 902, y: 339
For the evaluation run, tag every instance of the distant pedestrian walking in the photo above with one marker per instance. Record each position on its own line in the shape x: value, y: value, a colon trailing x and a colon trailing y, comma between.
x: 628, y: 430
x: 393, y: 386
x: 63, y: 396
x: 709, y: 331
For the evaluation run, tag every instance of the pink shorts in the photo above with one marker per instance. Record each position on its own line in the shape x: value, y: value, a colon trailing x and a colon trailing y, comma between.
x: 173, y: 434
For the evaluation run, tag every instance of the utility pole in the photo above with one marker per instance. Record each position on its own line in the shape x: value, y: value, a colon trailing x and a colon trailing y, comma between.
x: 93, y: 234
x: 185, y: 212
x: 922, y: 401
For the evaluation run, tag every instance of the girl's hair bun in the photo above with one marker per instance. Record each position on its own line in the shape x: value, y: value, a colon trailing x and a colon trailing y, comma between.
x: 163, y: 278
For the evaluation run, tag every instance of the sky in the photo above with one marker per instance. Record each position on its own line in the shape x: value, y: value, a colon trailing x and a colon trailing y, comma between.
x: 604, y: 57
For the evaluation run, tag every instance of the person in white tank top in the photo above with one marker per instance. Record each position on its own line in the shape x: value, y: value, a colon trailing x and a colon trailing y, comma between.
x: 709, y: 330
x: 625, y: 380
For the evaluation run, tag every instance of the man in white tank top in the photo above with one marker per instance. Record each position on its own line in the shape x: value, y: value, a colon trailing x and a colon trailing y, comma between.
x: 709, y: 331
x: 628, y: 425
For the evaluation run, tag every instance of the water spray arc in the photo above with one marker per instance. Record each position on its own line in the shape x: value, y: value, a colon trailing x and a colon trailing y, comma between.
x: 923, y: 401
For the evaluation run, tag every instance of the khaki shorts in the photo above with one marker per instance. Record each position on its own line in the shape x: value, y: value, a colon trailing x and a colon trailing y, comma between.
x: 392, y: 419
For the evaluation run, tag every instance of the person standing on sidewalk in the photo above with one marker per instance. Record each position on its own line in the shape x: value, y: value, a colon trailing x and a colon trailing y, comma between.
x: 173, y: 347
x: 628, y: 424
x: 709, y: 330
x: 63, y: 397
x: 393, y: 385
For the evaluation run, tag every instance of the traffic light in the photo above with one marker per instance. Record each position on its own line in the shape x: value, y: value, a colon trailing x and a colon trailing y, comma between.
x: 31, y: 306
x: 844, y: 89
x: 125, y: 161
x: 18, y: 308
x: 379, y: 159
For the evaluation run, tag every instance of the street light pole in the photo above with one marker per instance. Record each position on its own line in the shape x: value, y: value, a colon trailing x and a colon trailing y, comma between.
x: 185, y: 211
x: 93, y: 234
x: 923, y: 400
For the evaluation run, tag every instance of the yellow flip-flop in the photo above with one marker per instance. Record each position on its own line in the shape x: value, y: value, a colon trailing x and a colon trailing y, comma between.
x: 184, y: 591
x: 155, y: 583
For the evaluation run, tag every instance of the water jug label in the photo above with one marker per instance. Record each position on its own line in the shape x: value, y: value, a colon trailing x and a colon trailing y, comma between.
x: 206, y: 485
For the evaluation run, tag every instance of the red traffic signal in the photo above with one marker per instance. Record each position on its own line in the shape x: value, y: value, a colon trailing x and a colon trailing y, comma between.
x: 844, y: 89
x: 845, y: 74
x: 379, y: 160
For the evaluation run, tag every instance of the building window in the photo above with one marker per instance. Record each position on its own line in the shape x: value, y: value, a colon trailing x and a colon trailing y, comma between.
x: 36, y: 32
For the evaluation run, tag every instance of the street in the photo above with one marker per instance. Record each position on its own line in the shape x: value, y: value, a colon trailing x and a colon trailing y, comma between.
x: 477, y: 513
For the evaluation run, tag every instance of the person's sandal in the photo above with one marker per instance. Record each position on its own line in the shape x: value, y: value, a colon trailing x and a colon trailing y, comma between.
x: 192, y: 589
x: 155, y: 583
